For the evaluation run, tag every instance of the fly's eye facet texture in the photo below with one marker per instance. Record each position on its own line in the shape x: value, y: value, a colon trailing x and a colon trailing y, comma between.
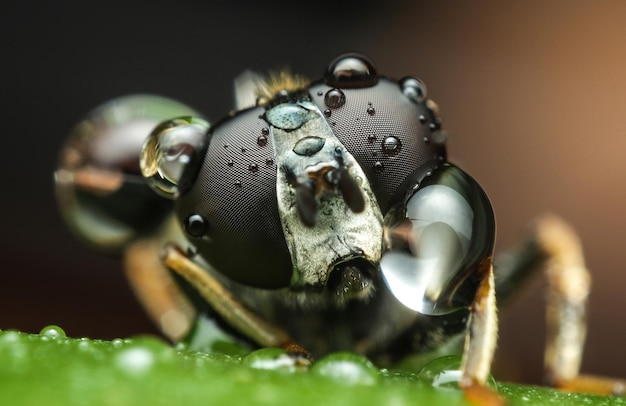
x: 99, y: 186
x: 351, y: 70
x: 230, y: 212
x: 437, y: 242
x: 172, y: 155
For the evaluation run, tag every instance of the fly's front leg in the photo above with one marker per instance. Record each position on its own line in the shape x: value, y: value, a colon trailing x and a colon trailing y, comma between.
x: 480, y: 341
x: 554, y: 246
x: 222, y: 301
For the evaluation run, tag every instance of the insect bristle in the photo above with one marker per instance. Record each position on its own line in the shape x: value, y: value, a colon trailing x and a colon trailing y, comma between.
x: 279, y: 83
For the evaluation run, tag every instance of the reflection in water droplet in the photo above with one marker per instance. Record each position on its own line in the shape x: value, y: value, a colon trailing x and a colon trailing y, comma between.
x: 445, y: 373
x: 335, y: 98
x: 347, y: 368
x: 261, y: 140
x: 253, y: 167
x: 195, y: 226
x: 414, y: 89
x: 52, y: 332
x: 378, y: 167
x: 371, y: 110
x: 392, y: 145
x: 351, y: 71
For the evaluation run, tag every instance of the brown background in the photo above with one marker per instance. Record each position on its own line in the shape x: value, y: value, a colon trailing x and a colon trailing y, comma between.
x: 533, y: 94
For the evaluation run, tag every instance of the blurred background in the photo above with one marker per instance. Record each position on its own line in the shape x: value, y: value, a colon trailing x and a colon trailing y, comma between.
x: 532, y: 93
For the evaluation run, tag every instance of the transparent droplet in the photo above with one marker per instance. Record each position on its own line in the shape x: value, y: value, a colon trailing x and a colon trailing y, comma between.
x: 265, y: 131
x: 261, y: 140
x: 351, y: 70
x: 371, y: 110
x: 378, y: 167
x: 238, y: 184
x: 274, y: 359
x: 391, y: 145
x: 100, y: 190
x: 436, y: 243
x: 414, y: 89
x: 423, y: 119
x: 328, y: 112
x: 288, y: 116
x: 269, y: 162
x: 52, y: 332
x: 445, y: 373
x: 309, y: 146
x: 347, y: 368
x: 173, y: 154
x: 334, y: 98
x: 253, y: 167
x: 195, y: 226
x: 230, y: 162
x: 371, y: 138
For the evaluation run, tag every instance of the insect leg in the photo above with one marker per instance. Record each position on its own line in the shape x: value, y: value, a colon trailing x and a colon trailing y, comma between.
x: 555, y: 247
x: 225, y: 304
x: 480, y: 341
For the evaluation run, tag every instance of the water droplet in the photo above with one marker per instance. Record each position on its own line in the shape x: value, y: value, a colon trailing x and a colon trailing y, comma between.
x: 173, y: 154
x: 327, y: 113
x: 309, y: 146
x: 391, y: 145
x: 439, y: 137
x: 335, y: 98
x: 117, y: 342
x: 423, y: 119
x: 371, y: 110
x: 414, y: 89
x: 195, y: 226
x: 230, y: 162
x: 52, y: 332
x: 371, y: 138
x: 135, y: 360
x: 378, y: 167
x: 253, y: 167
x: 243, y: 150
x: 238, y: 183
x: 351, y: 70
x: 347, y: 368
x: 269, y: 162
x: 426, y: 140
x: 433, y: 126
x: 274, y: 359
x: 261, y: 140
x: 319, y: 93
x: 265, y: 131
x: 445, y: 373
x: 226, y: 145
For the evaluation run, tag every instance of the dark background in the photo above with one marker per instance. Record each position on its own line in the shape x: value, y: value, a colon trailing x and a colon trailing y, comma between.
x: 533, y: 94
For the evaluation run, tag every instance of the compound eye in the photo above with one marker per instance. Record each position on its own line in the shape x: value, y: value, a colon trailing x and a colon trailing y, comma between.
x: 437, y: 242
x: 172, y: 155
x: 414, y: 89
x: 351, y: 70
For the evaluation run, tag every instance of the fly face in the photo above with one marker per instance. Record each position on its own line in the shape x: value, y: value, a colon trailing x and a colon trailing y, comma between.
x: 330, y: 218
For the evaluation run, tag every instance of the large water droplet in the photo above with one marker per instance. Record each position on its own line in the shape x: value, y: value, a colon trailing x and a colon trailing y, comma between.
x: 52, y: 332
x: 334, y: 98
x: 391, y: 145
x: 173, y: 154
x: 351, y: 70
x: 347, y: 368
x: 288, y: 116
